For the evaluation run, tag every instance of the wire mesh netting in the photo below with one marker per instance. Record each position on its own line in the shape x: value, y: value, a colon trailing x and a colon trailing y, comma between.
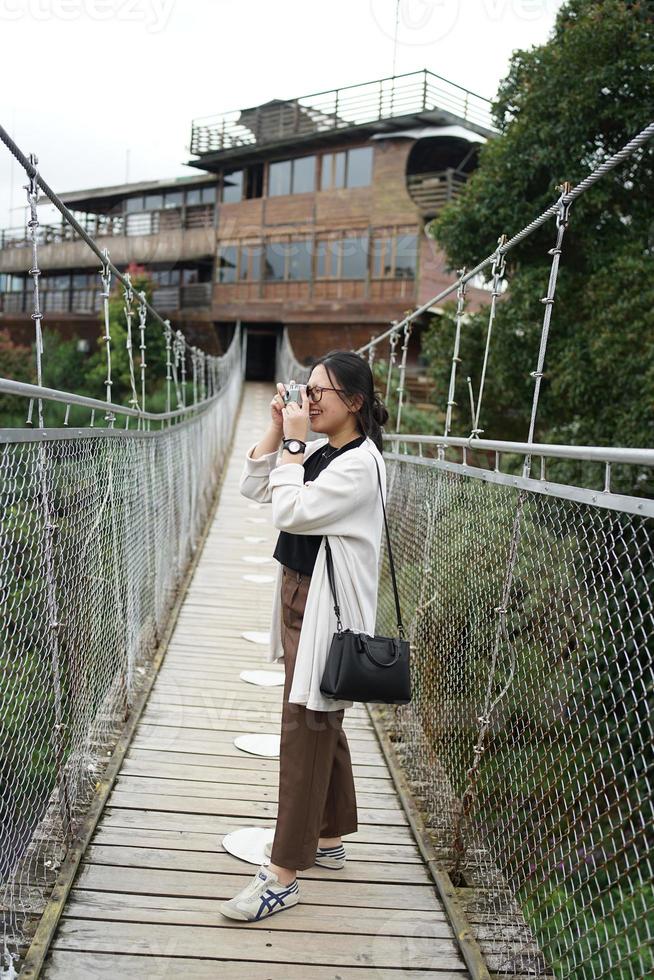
x: 97, y: 528
x: 528, y: 736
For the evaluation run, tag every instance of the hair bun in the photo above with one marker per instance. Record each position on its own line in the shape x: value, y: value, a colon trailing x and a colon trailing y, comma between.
x: 379, y: 411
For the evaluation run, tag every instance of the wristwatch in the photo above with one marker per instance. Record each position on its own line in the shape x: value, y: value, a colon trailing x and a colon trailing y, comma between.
x: 294, y: 445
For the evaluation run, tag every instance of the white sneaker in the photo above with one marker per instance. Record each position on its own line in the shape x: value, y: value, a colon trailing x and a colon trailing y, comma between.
x: 263, y: 896
x: 326, y: 857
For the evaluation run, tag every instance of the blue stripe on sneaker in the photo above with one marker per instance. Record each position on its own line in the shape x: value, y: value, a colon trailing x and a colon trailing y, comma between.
x: 273, y: 899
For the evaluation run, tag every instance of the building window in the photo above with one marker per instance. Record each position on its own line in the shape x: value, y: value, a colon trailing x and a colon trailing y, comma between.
x: 347, y: 168
x: 299, y: 259
x: 342, y: 258
x: 275, y: 261
x: 165, y: 277
x: 303, y: 179
x: 325, y: 259
x: 395, y: 256
x: 288, y: 260
x: 406, y: 252
x: 354, y: 258
x: 250, y: 262
x: 174, y: 199
x: 359, y: 167
x: 233, y: 187
x: 292, y: 176
x: 134, y: 203
x: 382, y: 258
x: 279, y: 178
x: 226, y: 265
x: 153, y: 202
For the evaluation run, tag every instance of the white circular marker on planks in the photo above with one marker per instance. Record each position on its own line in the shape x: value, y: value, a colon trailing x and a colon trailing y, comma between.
x: 263, y: 678
x: 254, y: 636
x: 248, y: 843
x: 257, y: 743
x: 258, y: 578
x: 252, y: 540
x: 257, y: 559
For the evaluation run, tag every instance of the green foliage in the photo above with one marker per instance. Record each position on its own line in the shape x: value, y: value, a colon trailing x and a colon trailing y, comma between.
x: 563, y: 108
x: 418, y: 421
x: 16, y: 364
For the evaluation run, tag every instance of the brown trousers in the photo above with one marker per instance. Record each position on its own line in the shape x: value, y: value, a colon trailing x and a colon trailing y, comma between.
x: 316, y: 795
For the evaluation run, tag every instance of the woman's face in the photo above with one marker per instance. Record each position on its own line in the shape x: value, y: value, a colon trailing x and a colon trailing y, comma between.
x: 331, y: 412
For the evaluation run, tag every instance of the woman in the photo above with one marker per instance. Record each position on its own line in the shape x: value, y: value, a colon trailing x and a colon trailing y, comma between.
x: 330, y: 487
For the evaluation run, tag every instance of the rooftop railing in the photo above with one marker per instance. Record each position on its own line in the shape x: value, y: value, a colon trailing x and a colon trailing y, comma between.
x: 341, y: 108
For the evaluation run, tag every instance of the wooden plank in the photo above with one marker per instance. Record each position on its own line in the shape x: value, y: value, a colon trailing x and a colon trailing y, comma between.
x: 237, y: 705
x: 194, y: 740
x: 67, y: 965
x: 184, y: 840
x: 241, y: 808
x: 244, y: 761
x: 224, y: 790
x: 171, y: 910
x: 219, y: 860
x: 317, y: 888
x: 263, y: 944
x: 180, y: 820
x: 241, y: 778
x: 174, y: 715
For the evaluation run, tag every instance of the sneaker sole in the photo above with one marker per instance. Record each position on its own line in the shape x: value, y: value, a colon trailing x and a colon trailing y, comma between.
x: 232, y: 913
x: 333, y: 866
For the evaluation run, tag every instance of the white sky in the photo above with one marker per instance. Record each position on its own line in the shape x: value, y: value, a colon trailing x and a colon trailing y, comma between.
x: 104, y: 91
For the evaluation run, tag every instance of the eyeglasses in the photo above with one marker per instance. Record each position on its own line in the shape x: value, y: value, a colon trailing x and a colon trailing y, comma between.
x: 314, y: 392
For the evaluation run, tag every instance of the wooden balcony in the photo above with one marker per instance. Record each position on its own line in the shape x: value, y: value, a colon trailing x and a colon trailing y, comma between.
x: 430, y: 191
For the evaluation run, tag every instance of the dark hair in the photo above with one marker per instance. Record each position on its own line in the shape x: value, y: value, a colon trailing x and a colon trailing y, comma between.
x: 352, y: 372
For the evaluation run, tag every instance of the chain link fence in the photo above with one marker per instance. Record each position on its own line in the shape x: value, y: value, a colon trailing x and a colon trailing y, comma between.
x: 528, y: 738
x: 97, y: 527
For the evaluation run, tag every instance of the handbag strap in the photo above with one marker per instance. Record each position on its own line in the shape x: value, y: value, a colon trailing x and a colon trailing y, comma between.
x: 330, y: 567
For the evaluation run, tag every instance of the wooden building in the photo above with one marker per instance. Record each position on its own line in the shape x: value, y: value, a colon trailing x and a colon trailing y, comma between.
x: 308, y: 212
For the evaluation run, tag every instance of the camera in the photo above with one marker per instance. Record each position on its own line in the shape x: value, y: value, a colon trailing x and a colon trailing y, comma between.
x: 292, y: 393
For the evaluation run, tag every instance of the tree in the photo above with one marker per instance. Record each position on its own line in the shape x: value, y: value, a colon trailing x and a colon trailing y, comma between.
x: 563, y: 108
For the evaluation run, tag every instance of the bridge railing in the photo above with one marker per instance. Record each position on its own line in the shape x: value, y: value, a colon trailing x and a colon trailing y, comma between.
x: 98, y: 524
x: 526, y: 581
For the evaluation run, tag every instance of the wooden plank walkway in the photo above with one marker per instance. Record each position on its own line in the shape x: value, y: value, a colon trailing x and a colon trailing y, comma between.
x: 145, y: 900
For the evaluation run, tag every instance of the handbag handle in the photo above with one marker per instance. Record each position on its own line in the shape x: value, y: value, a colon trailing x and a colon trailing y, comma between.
x: 363, y: 644
x: 330, y: 568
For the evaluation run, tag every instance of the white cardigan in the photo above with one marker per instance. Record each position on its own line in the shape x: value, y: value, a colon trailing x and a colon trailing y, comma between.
x: 343, y: 502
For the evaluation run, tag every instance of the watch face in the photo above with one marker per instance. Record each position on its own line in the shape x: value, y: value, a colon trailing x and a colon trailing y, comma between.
x: 294, y: 445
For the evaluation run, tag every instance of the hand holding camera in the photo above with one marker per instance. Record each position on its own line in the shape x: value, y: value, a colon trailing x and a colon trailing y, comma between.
x: 290, y: 410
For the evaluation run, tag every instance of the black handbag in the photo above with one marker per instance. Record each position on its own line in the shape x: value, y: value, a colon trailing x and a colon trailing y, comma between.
x: 360, y: 667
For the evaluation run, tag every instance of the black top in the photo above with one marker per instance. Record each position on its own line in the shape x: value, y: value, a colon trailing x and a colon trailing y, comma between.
x: 299, y: 551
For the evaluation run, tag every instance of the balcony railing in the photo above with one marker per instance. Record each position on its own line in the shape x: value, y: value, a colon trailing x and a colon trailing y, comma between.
x: 192, y: 296
x: 340, y: 108
x: 101, y: 225
x: 431, y: 191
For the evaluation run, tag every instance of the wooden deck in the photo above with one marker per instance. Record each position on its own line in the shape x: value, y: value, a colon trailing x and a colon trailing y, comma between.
x: 145, y: 900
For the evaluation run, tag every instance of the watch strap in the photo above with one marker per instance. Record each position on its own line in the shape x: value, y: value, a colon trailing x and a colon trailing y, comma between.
x: 300, y: 441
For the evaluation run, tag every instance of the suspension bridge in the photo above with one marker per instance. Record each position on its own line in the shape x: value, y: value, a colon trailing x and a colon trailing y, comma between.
x: 505, y: 813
